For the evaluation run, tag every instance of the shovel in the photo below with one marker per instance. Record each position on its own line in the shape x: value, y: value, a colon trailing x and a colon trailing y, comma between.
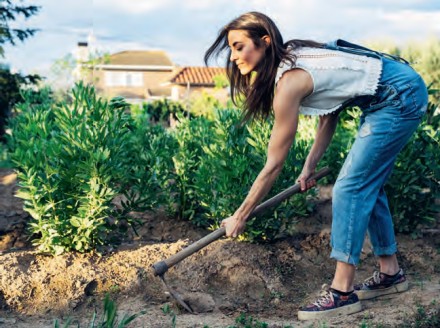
x: 161, y: 267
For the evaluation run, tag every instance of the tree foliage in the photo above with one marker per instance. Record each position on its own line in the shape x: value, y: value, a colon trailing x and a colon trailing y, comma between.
x: 10, y: 83
x: 68, y: 69
x: 10, y: 11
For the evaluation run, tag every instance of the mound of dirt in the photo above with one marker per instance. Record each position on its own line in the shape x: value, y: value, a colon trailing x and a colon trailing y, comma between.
x: 268, y: 282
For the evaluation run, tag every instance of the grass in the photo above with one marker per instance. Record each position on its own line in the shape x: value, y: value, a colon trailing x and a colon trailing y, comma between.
x: 166, y: 309
x: 365, y: 323
x: 244, y: 321
x: 247, y: 321
x: 424, y: 316
x: 421, y: 317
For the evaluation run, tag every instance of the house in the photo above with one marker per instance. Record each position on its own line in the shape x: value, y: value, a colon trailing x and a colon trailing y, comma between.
x: 135, y: 75
x: 145, y: 75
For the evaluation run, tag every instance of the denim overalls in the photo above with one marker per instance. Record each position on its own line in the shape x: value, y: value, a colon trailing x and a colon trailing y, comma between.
x: 388, y: 120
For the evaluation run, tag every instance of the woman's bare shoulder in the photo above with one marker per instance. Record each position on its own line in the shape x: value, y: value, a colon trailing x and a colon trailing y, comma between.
x: 295, y: 83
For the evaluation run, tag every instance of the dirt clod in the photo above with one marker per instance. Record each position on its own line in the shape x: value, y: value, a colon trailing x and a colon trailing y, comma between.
x: 200, y: 302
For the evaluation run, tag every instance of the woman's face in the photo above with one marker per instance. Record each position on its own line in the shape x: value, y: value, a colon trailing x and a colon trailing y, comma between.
x: 244, y: 53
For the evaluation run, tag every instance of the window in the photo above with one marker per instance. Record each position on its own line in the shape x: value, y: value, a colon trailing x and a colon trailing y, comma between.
x: 134, y: 79
x: 123, y: 79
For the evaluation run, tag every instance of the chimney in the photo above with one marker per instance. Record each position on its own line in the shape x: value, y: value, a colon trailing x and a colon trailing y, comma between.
x: 82, y: 52
x: 81, y: 56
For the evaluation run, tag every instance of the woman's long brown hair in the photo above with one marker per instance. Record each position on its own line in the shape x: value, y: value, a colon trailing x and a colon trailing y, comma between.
x: 258, y: 91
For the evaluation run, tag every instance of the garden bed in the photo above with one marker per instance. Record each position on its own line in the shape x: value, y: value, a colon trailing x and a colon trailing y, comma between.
x: 266, y: 282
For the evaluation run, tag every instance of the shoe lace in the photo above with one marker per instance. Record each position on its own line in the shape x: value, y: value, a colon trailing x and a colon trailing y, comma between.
x: 324, y: 296
x: 373, y: 280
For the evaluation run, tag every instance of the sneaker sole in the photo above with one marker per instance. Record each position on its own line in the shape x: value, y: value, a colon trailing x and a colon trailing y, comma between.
x: 343, y: 310
x: 369, y: 294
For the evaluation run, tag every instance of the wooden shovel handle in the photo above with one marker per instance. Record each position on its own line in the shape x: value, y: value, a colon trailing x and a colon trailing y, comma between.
x: 161, y: 267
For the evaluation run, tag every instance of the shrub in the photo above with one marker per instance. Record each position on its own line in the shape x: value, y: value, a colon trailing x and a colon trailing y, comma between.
x: 74, y: 158
x: 204, y: 104
x: 225, y: 158
x: 158, y: 111
x: 150, y: 166
x: 72, y: 162
x: 191, y: 135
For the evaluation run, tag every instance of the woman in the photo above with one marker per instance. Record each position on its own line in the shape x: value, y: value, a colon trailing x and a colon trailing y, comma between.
x: 322, y: 79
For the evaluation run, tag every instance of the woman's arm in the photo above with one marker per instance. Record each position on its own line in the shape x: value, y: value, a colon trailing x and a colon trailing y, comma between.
x: 326, y: 128
x: 293, y: 87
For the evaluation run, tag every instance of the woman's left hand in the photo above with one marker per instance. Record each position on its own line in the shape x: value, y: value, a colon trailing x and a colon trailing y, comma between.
x: 304, y: 178
x: 234, y: 226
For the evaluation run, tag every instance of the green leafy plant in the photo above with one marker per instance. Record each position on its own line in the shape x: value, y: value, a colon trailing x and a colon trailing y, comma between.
x: 204, y: 104
x: 108, y: 319
x: 11, y: 85
x: 218, y: 161
x: 245, y: 321
x: 75, y: 158
x: 191, y: 135
x: 150, y: 166
x: 166, y: 309
x: 158, y: 111
x: 72, y: 161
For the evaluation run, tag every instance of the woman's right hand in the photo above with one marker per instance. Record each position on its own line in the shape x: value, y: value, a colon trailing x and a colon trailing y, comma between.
x: 233, y: 225
x: 304, y: 177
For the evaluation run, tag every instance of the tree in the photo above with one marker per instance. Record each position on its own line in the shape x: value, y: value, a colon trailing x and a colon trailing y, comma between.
x: 69, y: 69
x: 10, y: 83
x: 10, y: 12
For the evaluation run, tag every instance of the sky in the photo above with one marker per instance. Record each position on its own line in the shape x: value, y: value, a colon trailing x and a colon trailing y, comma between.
x: 186, y: 28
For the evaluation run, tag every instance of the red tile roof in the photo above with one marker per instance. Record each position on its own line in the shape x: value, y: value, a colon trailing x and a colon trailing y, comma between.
x: 202, y: 76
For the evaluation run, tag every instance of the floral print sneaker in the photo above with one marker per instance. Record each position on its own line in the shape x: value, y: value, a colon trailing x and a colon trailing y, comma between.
x: 330, y: 304
x: 381, y: 284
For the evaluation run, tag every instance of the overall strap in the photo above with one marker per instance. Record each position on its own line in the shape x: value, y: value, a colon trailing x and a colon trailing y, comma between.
x: 346, y: 46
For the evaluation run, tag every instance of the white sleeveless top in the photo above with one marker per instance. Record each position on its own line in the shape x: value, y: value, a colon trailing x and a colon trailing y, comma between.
x: 337, y: 77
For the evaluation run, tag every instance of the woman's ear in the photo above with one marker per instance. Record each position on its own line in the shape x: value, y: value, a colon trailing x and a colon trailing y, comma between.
x: 266, y: 40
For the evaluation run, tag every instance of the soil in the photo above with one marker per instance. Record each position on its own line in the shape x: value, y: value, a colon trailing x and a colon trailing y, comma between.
x: 266, y: 282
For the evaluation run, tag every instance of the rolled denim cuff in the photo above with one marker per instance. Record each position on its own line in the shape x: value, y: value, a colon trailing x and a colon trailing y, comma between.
x: 344, y: 257
x: 389, y: 250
